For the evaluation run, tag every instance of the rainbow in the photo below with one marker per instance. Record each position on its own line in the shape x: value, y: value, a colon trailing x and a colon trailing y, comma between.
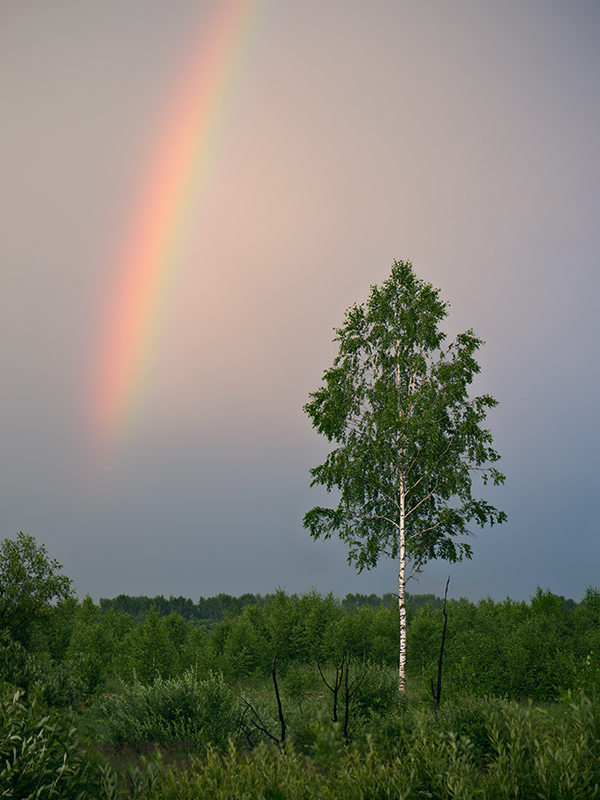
x: 148, y: 262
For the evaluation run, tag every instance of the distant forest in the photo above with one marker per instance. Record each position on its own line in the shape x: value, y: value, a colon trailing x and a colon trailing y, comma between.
x: 210, y: 610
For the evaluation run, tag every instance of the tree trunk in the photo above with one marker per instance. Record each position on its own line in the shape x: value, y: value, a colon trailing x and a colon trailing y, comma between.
x: 402, y: 548
x: 437, y: 693
x: 401, y: 584
x: 279, y: 707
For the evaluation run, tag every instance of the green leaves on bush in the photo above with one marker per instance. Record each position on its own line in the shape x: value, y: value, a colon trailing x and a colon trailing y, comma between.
x: 540, y: 756
x: 511, y: 649
x: 530, y: 753
x: 168, y: 711
x: 533, y: 756
x: 41, y: 755
x: 57, y: 683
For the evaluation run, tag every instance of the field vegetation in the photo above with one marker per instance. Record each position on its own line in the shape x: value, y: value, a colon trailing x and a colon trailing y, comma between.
x: 285, y: 696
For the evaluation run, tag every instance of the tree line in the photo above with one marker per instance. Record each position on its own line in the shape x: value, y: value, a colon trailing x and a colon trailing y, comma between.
x: 514, y: 649
x: 537, y: 649
x: 210, y: 610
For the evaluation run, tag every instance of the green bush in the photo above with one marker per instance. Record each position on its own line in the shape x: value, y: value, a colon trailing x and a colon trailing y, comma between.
x: 533, y: 756
x: 586, y: 675
x: 377, y: 692
x: 511, y: 649
x: 466, y: 717
x: 30, y: 585
x: 41, y: 755
x: 97, y: 644
x: 540, y: 755
x: 529, y: 753
x: 170, y: 710
x: 17, y: 666
x: 57, y: 683
x: 301, y: 680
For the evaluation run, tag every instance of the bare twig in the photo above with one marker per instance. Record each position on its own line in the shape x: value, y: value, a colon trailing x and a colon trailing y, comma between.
x: 438, y: 693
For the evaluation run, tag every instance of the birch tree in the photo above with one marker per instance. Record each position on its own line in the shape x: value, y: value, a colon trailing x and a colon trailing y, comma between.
x: 408, y: 439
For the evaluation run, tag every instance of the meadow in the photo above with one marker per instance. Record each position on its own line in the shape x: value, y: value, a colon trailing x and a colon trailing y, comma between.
x: 285, y: 696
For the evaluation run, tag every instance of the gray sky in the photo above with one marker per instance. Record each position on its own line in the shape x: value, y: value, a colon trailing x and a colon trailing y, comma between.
x: 461, y: 136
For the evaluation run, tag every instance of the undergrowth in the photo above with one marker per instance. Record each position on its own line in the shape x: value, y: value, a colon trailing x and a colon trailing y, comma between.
x: 479, y: 749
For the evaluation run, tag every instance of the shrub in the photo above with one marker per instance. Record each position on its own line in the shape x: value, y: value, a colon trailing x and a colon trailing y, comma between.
x: 168, y: 711
x: 300, y: 680
x: 539, y: 755
x: 466, y: 717
x: 57, y: 683
x: 41, y: 755
x: 377, y: 692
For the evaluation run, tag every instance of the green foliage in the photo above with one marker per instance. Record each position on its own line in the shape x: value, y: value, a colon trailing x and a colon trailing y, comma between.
x: 531, y: 755
x: 29, y: 584
x: 53, y: 635
x: 58, y: 683
x: 243, y: 646
x: 586, y: 674
x: 169, y: 710
x: 407, y: 435
x: 510, y: 649
x: 208, y: 611
x: 150, y: 650
x: 110, y: 646
x: 538, y: 756
x: 17, y: 666
x: 381, y: 745
x: 377, y: 691
x: 97, y: 644
x: 300, y: 681
x: 474, y: 748
x: 466, y: 716
x: 310, y: 629
x: 41, y: 755
x: 586, y: 640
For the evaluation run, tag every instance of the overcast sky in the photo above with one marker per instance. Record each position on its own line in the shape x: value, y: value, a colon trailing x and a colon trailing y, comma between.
x: 462, y: 136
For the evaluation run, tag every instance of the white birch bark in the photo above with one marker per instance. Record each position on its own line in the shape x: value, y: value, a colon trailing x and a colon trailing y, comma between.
x: 402, y: 550
x: 401, y: 584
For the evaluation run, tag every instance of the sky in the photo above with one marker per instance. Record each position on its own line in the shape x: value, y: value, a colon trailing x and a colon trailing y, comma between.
x: 191, y: 195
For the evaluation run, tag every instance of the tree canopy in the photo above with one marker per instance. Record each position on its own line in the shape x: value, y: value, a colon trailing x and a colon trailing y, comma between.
x: 408, y: 437
x: 29, y: 584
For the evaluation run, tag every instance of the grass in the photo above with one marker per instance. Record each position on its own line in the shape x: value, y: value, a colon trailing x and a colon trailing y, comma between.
x: 184, y: 738
x: 533, y: 754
